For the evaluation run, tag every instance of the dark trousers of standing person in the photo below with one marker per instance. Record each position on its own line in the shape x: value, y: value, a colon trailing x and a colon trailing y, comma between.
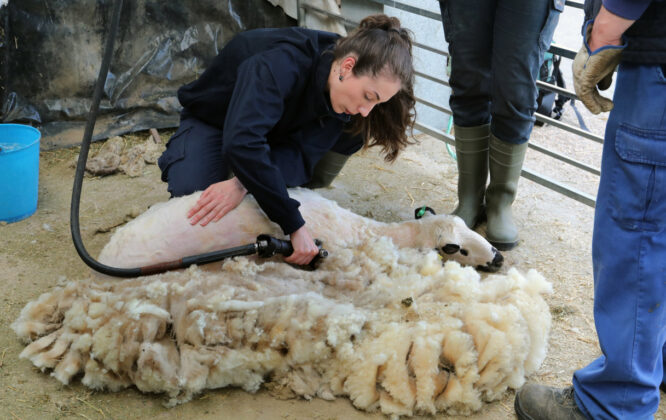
x: 629, y: 253
x: 496, y: 48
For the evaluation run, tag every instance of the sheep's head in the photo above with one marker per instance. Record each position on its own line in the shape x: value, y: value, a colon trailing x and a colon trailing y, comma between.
x: 455, y: 241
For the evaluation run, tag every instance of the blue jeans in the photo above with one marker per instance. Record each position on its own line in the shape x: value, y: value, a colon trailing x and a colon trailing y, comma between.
x: 496, y: 48
x: 629, y: 254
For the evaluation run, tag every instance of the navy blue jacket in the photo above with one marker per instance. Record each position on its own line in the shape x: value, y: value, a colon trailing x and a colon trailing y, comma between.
x: 267, y: 91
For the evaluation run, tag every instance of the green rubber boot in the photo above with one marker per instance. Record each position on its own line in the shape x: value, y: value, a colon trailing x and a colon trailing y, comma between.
x: 327, y: 169
x: 505, y: 163
x: 472, y: 157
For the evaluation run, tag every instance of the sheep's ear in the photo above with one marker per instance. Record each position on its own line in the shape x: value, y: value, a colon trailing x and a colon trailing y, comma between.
x: 423, y: 211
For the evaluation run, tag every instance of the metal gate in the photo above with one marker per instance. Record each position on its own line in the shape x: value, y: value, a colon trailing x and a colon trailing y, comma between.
x: 527, y: 173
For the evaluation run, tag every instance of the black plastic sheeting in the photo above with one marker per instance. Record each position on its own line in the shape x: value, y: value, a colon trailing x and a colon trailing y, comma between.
x: 52, y: 50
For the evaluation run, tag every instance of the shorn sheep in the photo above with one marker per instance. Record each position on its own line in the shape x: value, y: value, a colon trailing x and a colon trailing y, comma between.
x: 163, y: 233
x: 390, y: 327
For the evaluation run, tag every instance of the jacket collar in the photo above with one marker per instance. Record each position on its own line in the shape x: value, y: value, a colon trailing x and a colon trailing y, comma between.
x: 323, y: 106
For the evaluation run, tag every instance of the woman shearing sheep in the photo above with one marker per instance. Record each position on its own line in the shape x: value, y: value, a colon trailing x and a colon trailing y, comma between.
x: 281, y: 108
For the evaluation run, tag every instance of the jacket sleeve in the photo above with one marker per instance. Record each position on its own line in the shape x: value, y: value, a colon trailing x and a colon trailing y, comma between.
x: 628, y: 9
x: 264, y: 82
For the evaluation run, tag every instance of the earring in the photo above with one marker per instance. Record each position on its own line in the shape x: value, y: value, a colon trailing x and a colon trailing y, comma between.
x: 340, y: 78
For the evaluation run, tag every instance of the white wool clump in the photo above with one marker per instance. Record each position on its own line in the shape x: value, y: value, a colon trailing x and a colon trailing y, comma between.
x: 136, y: 308
x: 390, y: 328
x: 157, y: 289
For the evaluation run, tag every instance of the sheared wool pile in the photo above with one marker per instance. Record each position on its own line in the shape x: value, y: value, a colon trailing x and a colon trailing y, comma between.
x: 391, y: 328
x: 113, y: 157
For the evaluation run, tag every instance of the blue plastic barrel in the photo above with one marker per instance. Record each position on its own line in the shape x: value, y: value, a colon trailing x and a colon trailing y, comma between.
x: 19, y: 171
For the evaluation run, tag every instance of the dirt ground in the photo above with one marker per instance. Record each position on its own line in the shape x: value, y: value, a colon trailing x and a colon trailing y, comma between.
x: 37, y: 254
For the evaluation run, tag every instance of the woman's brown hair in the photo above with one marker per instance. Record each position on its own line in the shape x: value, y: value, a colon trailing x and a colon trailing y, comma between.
x: 383, y: 47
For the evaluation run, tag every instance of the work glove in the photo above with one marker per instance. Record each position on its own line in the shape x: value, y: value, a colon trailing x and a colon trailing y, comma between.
x: 594, y: 69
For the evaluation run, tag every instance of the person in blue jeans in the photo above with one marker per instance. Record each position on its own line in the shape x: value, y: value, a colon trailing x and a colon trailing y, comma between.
x: 496, y: 48
x: 629, y: 238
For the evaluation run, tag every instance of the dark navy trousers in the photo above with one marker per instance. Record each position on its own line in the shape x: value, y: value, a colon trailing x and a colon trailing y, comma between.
x: 193, y: 159
x: 496, y: 48
x: 629, y: 253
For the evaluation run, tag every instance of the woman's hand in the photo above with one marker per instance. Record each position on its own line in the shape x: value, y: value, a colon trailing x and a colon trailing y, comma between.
x: 216, y: 201
x: 304, y: 247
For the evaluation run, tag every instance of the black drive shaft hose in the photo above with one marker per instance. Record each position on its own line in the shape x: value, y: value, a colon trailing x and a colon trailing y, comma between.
x: 83, y: 156
x: 80, y: 169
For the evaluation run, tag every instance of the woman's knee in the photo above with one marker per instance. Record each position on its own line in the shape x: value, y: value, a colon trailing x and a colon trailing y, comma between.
x: 193, y: 159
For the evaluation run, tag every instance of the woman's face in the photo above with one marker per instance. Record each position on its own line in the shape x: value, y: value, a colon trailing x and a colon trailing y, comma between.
x: 358, y: 94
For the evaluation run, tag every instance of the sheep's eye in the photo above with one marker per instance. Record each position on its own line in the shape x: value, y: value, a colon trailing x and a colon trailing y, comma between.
x: 450, y: 248
x: 464, y: 252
